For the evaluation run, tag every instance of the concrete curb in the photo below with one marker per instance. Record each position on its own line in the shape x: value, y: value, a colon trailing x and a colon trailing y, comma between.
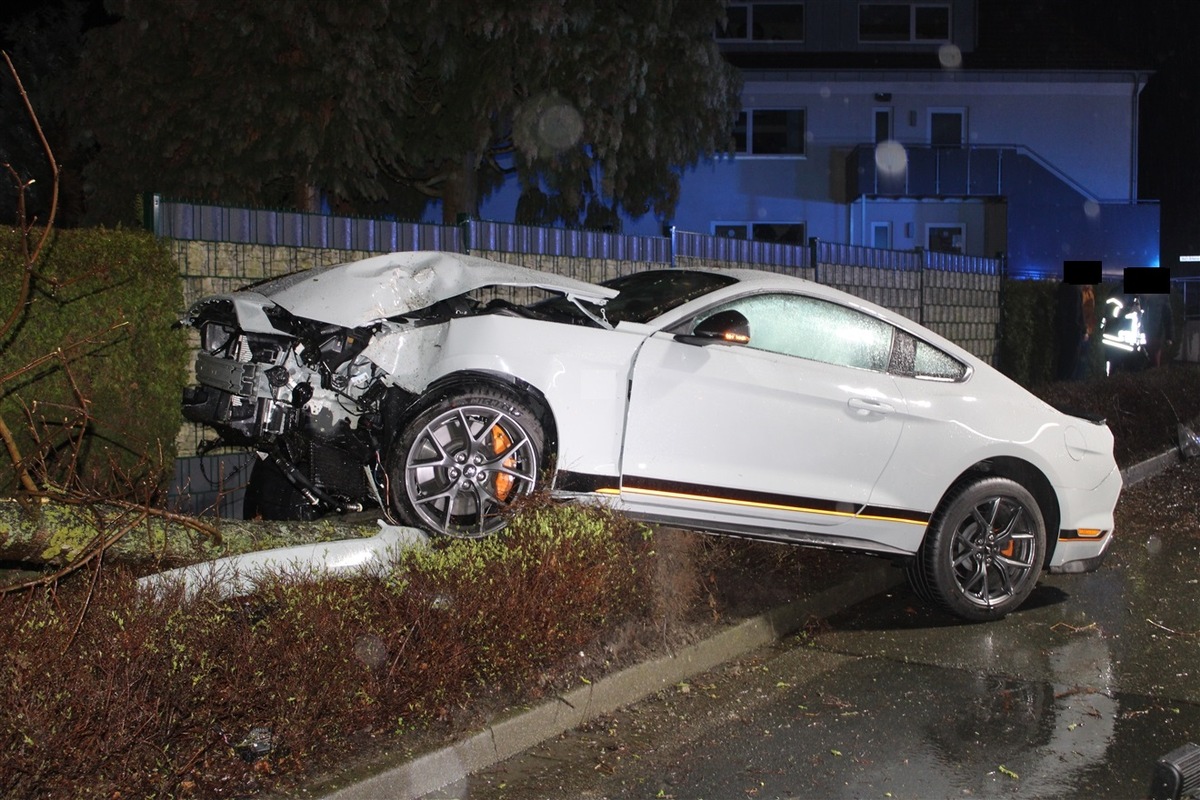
x: 411, y: 777
x: 1133, y: 475
x: 506, y: 737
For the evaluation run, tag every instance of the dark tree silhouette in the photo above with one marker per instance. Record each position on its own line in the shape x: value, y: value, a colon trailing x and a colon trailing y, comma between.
x: 595, y: 105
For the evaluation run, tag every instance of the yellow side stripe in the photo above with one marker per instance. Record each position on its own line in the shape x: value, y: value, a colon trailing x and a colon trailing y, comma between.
x: 755, y: 504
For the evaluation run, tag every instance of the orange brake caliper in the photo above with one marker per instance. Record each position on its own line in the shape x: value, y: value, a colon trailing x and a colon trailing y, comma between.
x: 1009, y: 549
x: 500, y: 443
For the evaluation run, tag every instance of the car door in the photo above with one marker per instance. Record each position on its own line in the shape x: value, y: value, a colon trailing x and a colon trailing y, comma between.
x: 790, y: 430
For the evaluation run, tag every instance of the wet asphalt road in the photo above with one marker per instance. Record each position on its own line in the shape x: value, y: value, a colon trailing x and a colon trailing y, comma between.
x: 1074, y: 696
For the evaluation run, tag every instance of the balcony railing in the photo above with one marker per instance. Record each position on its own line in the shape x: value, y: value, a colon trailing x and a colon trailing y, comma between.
x: 929, y: 171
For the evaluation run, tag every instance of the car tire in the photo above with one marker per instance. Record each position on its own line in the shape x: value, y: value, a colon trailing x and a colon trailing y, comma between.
x: 461, y: 461
x: 983, y: 551
x: 270, y: 495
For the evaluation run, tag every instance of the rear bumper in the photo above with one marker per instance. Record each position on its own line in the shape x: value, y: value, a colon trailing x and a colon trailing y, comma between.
x: 1087, y: 526
x: 1083, y: 563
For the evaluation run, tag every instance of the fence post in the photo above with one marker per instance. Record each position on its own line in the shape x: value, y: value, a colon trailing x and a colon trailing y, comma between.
x: 466, y: 226
x: 921, y: 266
x: 150, y: 208
x: 813, y: 243
x: 673, y: 246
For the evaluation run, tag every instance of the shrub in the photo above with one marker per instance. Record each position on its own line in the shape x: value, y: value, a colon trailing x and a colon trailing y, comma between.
x: 110, y: 689
x: 88, y: 282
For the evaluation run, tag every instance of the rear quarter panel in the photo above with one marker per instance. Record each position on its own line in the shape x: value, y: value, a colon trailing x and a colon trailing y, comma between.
x: 953, y: 426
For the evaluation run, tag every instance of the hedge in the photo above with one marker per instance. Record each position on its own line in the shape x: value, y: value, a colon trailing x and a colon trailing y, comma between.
x: 121, y: 288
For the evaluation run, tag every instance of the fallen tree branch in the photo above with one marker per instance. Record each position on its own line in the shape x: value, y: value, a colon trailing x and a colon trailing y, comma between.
x: 59, y: 533
x: 32, y: 256
x: 97, y: 550
x: 14, y: 453
x: 1171, y: 631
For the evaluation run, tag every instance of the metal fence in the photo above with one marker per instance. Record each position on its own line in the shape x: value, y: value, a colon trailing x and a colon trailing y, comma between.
x: 182, y: 221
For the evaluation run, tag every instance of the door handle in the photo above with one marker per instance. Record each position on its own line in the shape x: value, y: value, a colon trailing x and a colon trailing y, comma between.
x: 864, y: 406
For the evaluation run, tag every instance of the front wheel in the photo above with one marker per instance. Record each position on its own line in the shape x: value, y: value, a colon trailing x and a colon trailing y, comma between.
x: 983, y: 552
x: 464, y: 459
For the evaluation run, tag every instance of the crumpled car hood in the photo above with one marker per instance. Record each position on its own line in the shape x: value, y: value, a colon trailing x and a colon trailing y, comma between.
x: 361, y: 292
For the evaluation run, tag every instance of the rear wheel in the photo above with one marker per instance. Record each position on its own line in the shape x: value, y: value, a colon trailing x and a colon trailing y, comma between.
x: 464, y: 459
x: 983, y: 552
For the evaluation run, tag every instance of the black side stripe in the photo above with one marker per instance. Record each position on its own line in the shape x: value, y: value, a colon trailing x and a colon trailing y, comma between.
x: 738, y: 495
x: 585, y: 482
x: 635, y: 483
x: 895, y: 513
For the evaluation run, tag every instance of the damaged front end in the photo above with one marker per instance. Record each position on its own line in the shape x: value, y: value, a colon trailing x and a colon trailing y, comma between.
x: 317, y: 371
x: 302, y: 395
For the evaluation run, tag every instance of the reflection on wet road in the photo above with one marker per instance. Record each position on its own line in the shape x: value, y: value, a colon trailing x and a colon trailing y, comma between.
x: 1074, y: 696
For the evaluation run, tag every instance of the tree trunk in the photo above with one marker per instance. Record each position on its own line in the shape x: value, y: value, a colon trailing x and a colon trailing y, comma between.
x: 57, y: 535
x: 461, y: 195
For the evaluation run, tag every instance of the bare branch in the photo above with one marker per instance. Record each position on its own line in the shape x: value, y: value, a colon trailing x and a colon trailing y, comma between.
x: 54, y: 169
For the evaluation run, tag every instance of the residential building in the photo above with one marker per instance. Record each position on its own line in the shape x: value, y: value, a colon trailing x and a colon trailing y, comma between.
x: 967, y: 126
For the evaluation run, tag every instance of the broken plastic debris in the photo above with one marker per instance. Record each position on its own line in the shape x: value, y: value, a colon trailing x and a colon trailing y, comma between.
x: 1189, y: 442
x: 259, y: 743
x: 235, y: 575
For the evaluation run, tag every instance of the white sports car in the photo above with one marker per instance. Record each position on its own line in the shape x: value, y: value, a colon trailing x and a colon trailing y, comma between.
x: 740, y: 402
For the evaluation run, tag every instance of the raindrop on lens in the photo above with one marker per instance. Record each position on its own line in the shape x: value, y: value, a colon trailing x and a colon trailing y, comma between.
x: 559, y: 127
x: 370, y: 650
x: 891, y: 158
x: 950, y: 56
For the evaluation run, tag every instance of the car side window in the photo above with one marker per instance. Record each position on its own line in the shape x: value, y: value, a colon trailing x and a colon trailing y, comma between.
x: 914, y: 358
x: 818, y: 330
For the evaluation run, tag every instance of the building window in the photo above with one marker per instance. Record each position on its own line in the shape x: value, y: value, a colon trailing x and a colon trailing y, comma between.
x: 777, y: 232
x: 903, y: 22
x: 946, y: 128
x: 931, y: 23
x: 770, y: 132
x: 731, y: 231
x: 881, y: 235
x: 763, y: 22
x: 951, y: 238
x: 883, y: 125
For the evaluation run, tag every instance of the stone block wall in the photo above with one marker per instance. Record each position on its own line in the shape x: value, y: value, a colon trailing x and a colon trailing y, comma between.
x: 965, y: 308
x: 218, y: 267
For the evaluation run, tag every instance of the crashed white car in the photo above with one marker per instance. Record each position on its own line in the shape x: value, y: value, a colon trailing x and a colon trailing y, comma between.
x: 741, y: 402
